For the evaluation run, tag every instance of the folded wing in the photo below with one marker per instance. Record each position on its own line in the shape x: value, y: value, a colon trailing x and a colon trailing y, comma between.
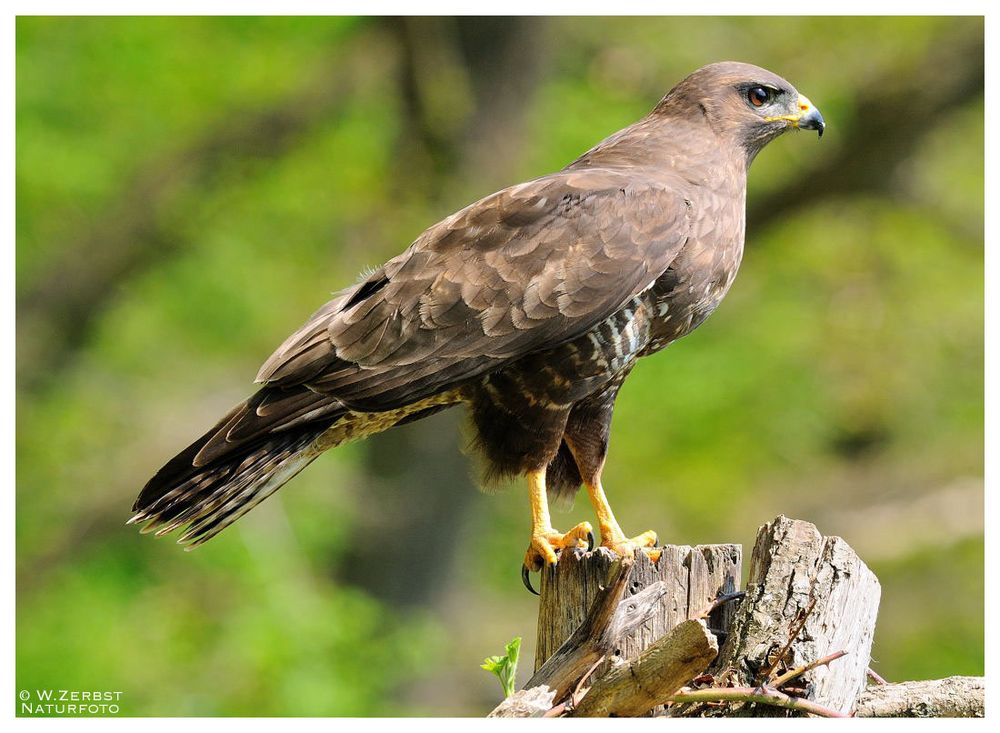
x: 522, y: 270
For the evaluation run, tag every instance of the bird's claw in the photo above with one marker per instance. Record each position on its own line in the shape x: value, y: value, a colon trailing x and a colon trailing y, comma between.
x: 546, y: 544
x: 526, y: 579
x: 648, y: 542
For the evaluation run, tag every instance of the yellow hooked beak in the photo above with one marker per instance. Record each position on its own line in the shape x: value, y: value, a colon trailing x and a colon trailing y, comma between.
x: 806, y: 118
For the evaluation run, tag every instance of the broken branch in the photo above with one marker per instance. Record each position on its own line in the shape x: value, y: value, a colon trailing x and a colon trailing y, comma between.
x: 765, y: 695
x: 635, y: 688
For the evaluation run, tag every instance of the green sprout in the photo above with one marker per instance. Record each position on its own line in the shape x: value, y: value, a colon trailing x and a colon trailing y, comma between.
x: 505, y: 667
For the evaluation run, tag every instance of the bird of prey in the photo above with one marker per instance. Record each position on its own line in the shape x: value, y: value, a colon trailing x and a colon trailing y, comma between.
x: 530, y: 307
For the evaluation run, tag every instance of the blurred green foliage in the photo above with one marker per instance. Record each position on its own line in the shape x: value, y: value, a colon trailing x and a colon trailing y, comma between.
x: 840, y: 382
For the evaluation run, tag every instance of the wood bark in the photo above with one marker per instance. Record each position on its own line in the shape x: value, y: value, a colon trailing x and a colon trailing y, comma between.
x: 798, y: 644
x: 531, y: 702
x: 594, y: 635
x: 952, y: 697
x: 807, y: 596
x: 692, y: 577
x: 634, y: 688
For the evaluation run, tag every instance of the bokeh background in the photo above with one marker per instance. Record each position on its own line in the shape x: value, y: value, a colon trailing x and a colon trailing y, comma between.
x: 189, y: 190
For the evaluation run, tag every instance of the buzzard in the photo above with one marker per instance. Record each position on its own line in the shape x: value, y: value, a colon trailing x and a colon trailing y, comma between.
x: 530, y: 307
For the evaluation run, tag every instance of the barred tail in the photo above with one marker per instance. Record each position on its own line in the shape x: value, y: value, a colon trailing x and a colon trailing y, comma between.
x: 246, y: 457
x: 251, y: 453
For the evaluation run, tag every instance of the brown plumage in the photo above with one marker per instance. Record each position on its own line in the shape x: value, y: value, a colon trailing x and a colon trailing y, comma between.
x: 530, y: 306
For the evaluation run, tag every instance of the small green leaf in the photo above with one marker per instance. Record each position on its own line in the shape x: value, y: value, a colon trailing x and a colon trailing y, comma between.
x: 505, y: 667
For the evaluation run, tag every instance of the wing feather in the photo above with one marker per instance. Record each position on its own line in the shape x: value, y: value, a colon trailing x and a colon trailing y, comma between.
x: 520, y: 271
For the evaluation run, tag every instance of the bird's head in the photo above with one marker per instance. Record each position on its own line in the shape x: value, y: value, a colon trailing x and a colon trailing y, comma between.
x: 745, y: 104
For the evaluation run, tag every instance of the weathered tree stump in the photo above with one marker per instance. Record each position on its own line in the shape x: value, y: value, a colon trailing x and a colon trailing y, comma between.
x: 693, y: 578
x: 797, y: 643
x: 609, y: 619
x: 807, y: 596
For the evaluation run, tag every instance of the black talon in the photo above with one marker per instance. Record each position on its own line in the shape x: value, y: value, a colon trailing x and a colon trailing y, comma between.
x: 590, y: 541
x: 526, y: 579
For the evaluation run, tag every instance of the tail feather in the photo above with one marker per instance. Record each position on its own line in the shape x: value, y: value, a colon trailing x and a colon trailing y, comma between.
x: 221, y: 476
x: 251, y: 453
x: 219, y: 494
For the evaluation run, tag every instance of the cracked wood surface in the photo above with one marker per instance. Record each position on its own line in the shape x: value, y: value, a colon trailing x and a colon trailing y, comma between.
x: 692, y: 577
x: 634, y: 688
x: 952, y: 697
x: 795, y: 570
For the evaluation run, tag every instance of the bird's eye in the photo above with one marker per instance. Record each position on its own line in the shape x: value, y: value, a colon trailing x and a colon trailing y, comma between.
x: 759, y: 96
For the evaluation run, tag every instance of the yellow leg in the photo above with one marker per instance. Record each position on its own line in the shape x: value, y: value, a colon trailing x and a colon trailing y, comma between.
x: 612, y: 536
x: 545, y: 540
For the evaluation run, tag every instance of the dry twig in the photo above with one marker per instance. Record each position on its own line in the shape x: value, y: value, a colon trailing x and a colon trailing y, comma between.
x: 793, y: 633
x: 793, y: 673
x: 764, y: 694
x: 876, y: 677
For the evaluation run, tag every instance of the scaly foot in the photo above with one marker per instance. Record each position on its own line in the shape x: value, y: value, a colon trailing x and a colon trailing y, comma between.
x: 621, y: 545
x: 546, y: 543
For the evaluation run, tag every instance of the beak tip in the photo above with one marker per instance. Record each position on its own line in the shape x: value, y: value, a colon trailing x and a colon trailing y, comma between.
x: 813, y: 120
